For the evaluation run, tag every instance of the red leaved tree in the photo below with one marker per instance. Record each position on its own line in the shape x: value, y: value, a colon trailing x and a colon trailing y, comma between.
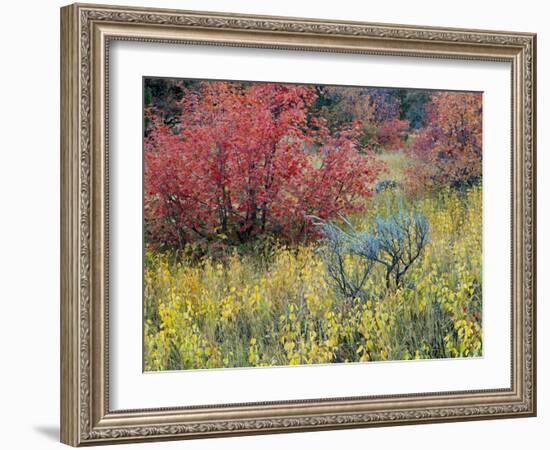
x: 448, y: 150
x: 391, y: 134
x: 244, y: 161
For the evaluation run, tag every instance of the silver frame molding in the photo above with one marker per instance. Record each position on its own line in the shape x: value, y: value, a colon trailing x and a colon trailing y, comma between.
x: 86, y: 31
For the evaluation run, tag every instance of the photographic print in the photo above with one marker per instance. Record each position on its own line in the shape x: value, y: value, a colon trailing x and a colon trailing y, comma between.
x: 291, y: 224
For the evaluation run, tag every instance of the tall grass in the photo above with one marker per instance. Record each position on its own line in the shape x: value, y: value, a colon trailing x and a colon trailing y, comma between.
x: 395, y: 162
x: 280, y: 309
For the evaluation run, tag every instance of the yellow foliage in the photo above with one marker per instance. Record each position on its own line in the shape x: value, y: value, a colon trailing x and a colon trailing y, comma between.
x: 245, y: 312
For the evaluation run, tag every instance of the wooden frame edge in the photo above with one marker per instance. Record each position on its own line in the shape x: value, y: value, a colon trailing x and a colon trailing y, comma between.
x: 69, y: 431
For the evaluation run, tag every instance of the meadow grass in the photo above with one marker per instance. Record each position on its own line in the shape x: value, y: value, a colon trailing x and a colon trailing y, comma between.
x: 279, y: 308
x: 395, y: 162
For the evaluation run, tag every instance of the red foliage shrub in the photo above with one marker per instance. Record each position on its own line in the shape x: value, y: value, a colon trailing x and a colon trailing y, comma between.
x: 244, y: 161
x: 390, y: 134
x: 448, y: 150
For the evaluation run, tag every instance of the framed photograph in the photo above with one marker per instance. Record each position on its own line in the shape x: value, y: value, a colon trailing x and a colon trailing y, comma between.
x: 275, y: 224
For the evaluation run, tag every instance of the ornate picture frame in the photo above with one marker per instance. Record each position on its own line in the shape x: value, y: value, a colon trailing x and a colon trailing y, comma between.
x: 87, y: 32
